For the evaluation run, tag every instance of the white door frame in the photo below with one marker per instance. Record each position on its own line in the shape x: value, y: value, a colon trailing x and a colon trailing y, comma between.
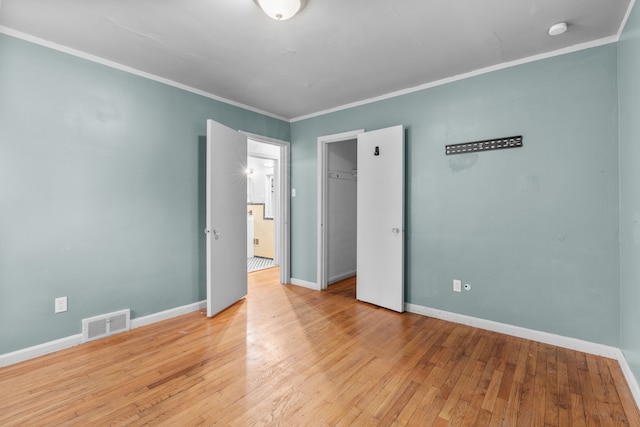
x: 283, y: 210
x: 323, y: 180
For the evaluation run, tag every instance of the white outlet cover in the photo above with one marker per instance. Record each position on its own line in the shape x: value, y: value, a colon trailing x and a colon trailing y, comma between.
x: 457, y: 285
x: 60, y: 305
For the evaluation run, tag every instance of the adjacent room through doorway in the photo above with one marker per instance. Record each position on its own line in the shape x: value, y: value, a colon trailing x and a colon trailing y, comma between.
x: 263, y: 196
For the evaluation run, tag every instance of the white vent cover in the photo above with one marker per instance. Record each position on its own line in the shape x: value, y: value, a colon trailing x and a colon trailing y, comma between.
x: 105, y: 325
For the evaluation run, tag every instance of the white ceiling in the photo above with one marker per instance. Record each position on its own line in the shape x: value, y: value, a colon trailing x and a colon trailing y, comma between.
x: 335, y: 52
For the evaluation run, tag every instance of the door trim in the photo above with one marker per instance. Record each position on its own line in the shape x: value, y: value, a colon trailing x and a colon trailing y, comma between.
x: 323, y: 177
x: 284, y: 208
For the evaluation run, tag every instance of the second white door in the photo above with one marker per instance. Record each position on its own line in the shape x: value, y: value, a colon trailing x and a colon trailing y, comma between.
x: 380, y: 229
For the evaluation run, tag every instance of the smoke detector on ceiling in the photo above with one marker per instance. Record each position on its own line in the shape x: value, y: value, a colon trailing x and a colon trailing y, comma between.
x: 557, y: 29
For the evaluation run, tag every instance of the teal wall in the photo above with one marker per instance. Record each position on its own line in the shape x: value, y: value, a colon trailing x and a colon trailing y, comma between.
x: 101, y: 191
x: 535, y: 229
x: 629, y: 95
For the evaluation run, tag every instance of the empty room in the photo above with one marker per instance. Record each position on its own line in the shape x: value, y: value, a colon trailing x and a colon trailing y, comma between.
x: 454, y: 208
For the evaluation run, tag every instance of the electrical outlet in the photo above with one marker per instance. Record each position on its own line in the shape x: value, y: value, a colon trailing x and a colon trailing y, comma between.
x: 60, y: 305
x: 457, y: 285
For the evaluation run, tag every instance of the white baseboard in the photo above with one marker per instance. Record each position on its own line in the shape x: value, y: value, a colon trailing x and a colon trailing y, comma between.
x: 544, y: 337
x: 631, y: 379
x: 531, y: 334
x: 167, y: 314
x: 305, y: 284
x: 517, y: 331
x: 342, y: 276
x: 74, y: 340
x: 39, y: 350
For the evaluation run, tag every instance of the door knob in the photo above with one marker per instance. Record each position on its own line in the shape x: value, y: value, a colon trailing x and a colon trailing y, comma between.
x: 216, y: 233
x: 395, y: 230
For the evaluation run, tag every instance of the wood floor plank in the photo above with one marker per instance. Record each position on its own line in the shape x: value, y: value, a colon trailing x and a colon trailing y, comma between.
x: 513, y: 404
x: 507, y: 382
x: 498, y: 413
x: 526, y: 403
x: 578, y: 414
x: 472, y: 393
x: 539, y: 402
x: 483, y: 419
x: 291, y: 356
x: 564, y: 397
x: 588, y: 398
x: 532, y: 360
x: 429, y: 416
x: 429, y: 406
x: 473, y: 411
x: 624, y: 393
x: 612, y: 393
x: 551, y: 388
x: 521, y: 363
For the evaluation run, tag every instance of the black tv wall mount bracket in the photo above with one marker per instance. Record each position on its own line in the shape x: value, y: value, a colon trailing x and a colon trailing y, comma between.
x: 486, y: 145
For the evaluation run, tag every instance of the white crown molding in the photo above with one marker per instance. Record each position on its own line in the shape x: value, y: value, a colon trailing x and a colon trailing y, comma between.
x: 625, y: 19
x: 93, y: 58
x: 121, y: 67
x: 502, y: 66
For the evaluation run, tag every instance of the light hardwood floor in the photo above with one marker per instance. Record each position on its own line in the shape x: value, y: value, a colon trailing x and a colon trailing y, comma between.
x: 292, y: 356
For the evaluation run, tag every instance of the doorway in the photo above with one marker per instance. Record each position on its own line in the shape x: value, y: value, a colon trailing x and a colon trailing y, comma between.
x: 337, y: 190
x: 263, y: 194
x: 268, y: 201
x: 379, y: 224
x: 226, y: 211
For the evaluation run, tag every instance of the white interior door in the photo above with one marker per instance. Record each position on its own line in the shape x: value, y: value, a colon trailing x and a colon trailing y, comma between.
x: 380, y: 229
x: 226, y: 217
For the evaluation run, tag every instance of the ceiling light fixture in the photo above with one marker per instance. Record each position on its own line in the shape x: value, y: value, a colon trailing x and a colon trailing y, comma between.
x: 281, y: 10
x: 557, y: 29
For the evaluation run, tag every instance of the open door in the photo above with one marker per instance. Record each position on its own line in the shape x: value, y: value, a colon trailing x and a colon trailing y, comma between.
x: 226, y: 217
x: 380, y: 229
